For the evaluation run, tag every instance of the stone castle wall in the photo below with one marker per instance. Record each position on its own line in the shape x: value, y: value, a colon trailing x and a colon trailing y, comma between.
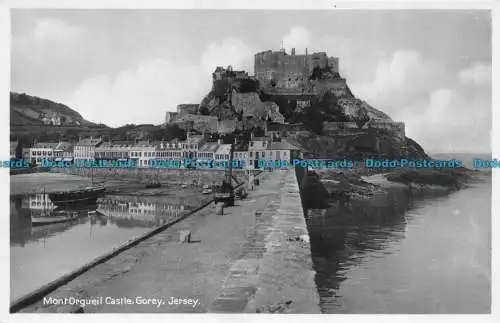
x: 290, y: 71
x: 184, y: 109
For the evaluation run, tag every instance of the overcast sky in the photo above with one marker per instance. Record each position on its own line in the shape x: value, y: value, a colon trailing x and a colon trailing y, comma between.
x: 431, y: 69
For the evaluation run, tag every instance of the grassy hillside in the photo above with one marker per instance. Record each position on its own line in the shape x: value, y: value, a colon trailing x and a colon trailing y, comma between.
x: 27, y: 110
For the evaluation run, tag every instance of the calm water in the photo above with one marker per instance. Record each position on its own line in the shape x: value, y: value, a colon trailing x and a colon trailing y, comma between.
x: 403, y: 254
x: 42, y: 254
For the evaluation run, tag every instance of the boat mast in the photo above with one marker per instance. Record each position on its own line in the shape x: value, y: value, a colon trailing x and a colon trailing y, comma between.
x: 44, y: 201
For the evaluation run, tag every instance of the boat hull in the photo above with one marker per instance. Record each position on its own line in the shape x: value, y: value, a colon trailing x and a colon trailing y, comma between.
x: 76, y: 197
x: 36, y: 222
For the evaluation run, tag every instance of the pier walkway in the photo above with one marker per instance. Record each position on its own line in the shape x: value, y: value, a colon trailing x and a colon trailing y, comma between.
x: 161, y: 268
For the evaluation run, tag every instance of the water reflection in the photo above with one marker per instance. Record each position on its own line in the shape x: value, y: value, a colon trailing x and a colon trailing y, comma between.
x: 344, y: 236
x: 402, y: 253
x: 142, y: 212
x: 122, y: 211
x: 51, y: 248
x: 38, y: 202
x: 25, y: 209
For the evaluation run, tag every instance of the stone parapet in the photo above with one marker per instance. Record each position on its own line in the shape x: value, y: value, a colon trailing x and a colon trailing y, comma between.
x: 275, y: 273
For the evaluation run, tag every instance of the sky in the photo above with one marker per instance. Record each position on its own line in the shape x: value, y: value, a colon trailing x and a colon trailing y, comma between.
x: 428, y: 68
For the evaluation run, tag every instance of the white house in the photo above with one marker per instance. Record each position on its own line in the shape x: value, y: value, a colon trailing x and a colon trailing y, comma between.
x: 85, y: 149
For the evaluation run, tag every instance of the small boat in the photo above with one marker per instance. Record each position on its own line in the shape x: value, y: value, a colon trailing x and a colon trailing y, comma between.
x: 53, y: 219
x: 87, y: 195
x: 153, y: 185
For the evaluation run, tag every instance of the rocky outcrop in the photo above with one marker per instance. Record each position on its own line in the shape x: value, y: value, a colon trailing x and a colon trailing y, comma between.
x: 356, y: 146
x: 249, y: 105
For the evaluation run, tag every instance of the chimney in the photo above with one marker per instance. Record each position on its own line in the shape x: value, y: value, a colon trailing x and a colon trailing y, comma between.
x: 219, y: 141
x: 293, y: 51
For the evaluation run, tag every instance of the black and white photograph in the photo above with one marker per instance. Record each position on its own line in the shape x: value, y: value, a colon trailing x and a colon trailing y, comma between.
x: 320, y: 161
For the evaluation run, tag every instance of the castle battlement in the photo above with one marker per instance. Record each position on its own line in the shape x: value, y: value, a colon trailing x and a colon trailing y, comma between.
x: 281, y: 70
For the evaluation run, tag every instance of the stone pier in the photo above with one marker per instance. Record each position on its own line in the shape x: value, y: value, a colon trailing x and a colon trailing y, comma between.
x: 275, y: 272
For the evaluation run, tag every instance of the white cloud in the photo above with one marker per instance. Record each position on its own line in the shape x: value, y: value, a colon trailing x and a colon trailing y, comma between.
x: 298, y: 37
x: 441, y: 112
x: 449, y: 121
x: 478, y: 74
x: 53, y: 40
x: 143, y: 94
x: 406, y: 75
x: 230, y: 51
x: 140, y: 95
x: 49, y: 30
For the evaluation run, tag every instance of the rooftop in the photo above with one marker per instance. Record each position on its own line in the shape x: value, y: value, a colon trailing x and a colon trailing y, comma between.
x: 88, y: 142
x: 260, y: 139
x: 224, y: 149
x: 52, y: 145
x: 275, y: 126
x: 195, y: 139
x: 210, y: 147
x: 241, y: 147
x: 283, y: 145
x: 65, y: 146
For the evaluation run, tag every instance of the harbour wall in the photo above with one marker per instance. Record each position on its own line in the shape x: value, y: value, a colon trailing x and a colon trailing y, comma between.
x: 275, y: 273
x: 144, y: 175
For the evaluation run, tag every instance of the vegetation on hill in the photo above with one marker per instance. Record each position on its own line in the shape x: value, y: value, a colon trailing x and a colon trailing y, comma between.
x: 370, y: 144
x: 27, y: 110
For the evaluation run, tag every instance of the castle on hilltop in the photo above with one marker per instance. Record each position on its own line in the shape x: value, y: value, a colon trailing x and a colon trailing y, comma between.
x: 281, y: 72
x: 289, y: 84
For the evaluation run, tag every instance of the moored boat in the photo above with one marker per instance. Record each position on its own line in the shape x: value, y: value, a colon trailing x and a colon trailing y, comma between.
x: 87, y: 195
x: 53, y: 219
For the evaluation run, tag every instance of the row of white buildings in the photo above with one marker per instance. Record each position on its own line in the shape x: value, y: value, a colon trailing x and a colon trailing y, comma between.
x: 195, y: 148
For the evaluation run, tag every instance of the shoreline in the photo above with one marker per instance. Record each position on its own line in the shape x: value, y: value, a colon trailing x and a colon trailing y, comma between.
x: 360, y: 184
